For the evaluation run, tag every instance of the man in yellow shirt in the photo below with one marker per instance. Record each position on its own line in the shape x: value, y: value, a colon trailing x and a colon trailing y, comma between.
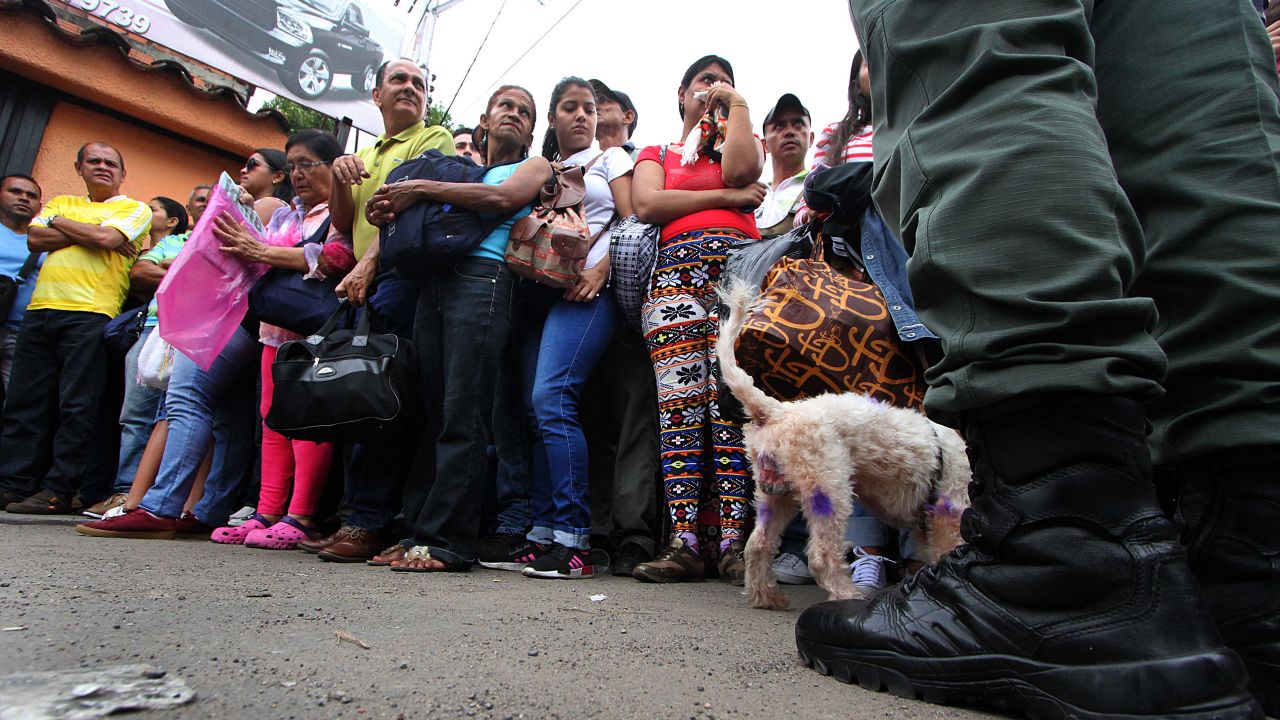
x: 376, y: 469
x: 59, y: 368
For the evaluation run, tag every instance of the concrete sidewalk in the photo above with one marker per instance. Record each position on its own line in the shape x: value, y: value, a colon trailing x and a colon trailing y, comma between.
x: 255, y: 633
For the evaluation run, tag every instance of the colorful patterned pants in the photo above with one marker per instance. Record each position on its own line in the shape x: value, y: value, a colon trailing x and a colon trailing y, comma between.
x: 680, y: 327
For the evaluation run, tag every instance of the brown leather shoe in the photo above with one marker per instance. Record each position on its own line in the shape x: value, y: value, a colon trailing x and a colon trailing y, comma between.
x: 678, y: 563
x: 314, y: 546
x: 733, y: 566
x: 355, y: 545
x: 42, y: 503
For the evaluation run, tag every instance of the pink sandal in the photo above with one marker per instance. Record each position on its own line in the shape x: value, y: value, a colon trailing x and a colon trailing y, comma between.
x: 284, y: 535
x: 236, y: 535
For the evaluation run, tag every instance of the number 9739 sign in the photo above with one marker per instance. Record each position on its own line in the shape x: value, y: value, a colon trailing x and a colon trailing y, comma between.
x: 117, y: 13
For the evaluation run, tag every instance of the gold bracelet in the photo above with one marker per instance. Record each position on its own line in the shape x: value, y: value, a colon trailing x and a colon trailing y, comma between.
x: 741, y: 105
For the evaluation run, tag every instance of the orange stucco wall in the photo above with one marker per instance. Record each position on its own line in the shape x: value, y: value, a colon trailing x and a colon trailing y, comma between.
x: 103, y: 76
x: 221, y: 134
x: 154, y: 164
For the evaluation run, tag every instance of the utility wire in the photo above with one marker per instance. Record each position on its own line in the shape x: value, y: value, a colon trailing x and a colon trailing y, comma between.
x: 527, y: 51
x: 477, y: 55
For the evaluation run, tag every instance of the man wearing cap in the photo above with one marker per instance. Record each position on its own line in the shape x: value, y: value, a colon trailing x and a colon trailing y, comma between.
x: 620, y: 405
x: 787, y: 137
x: 616, y: 118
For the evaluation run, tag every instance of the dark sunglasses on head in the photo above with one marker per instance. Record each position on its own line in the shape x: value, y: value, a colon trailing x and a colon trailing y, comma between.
x: 253, y: 163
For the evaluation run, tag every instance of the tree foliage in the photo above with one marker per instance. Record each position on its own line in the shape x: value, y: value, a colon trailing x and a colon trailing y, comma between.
x: 437, y: 116
x: 299, y: 117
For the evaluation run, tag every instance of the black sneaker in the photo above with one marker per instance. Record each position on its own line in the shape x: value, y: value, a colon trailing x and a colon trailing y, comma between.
x: 629, y: 556
x: 562, y: 563
x: 499, y: 544
x: 514, y: 559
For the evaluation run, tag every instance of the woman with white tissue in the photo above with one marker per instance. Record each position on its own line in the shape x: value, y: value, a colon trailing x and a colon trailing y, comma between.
x: 704, y: 206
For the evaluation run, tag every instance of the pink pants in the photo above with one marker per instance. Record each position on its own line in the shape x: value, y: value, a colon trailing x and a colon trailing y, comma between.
x: 293, y: 471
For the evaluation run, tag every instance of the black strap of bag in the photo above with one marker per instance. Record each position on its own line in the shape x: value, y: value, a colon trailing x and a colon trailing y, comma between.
x: 28, y: 266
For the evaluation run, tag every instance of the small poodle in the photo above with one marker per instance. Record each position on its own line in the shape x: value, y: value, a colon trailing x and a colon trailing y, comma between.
x: 825, y: 450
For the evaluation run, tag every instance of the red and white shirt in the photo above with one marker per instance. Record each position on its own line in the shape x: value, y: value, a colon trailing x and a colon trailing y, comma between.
x: 858, y: 149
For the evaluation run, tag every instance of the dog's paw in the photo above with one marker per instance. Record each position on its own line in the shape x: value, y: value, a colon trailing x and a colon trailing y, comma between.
x: 845, y: 592
x: 768, y: 599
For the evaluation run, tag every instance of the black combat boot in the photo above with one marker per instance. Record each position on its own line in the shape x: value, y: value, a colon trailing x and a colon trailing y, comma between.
x: 1072, y: 598
x: 1230, y: 522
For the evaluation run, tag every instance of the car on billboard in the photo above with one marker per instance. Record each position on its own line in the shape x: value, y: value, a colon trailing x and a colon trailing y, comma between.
x: 306, y: 42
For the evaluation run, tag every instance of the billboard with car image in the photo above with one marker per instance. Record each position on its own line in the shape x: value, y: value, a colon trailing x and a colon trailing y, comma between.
x: 321, y: 53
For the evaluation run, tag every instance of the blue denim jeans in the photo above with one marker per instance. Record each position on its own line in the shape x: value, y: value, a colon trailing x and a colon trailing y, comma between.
x: 193, y: 397
x: 376, y: 469
x: 863, y: 530
x: 137, y: 416
x: 560, y: 343
x: 463, y: 322
x: 235, y: 421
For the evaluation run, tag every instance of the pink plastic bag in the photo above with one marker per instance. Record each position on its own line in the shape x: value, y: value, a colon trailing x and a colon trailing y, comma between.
x: 205, y: 294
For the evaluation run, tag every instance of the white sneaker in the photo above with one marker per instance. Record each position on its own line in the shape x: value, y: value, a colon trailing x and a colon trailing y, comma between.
x: 113, y: 512
x: 868, y: 570
x: 241, y: 516
x: 792, y: 570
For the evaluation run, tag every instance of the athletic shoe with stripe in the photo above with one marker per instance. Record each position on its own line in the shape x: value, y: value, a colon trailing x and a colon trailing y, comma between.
x: 562, y: 563
x: 514, y: 559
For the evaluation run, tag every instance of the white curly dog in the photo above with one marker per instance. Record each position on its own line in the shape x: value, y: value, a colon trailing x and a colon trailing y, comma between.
x: 819, y: 453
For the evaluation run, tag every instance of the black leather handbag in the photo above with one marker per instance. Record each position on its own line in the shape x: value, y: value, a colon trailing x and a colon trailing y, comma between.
x: 343, y: 385
x: 122, y: 331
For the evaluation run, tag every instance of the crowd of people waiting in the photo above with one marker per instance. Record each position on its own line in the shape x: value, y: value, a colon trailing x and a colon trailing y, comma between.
x: 552, y: 428
x: 1089, y: 226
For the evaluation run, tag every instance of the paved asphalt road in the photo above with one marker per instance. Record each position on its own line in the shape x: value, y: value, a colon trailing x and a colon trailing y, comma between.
x: 252, y: 632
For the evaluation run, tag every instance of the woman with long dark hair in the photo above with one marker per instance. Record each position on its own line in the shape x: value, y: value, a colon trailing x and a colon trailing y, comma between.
x: 560, y: 336
x: 265, y: 178
x: 852, y: 134
x: 703, y: 208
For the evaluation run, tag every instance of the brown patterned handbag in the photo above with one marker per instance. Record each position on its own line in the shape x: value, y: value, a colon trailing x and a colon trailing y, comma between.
x: 815, y: 330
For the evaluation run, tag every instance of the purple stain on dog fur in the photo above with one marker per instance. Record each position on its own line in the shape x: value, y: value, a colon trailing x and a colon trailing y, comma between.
x: 944, y: 508
x: 820, y: 504
x: 764, y: 513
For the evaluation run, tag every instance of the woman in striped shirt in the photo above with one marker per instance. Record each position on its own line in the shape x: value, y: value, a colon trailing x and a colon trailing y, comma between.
x: 853, y: 133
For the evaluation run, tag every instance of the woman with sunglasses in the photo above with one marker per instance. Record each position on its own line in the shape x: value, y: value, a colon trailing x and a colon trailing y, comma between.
x: 265, y: 179
x: 293, y: 471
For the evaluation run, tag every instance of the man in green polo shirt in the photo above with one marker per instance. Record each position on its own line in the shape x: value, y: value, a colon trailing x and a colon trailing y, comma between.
x: 376, y: 469
x: 401, y: 95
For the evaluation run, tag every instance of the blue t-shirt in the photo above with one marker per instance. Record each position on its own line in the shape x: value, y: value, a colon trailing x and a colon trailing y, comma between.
x: 13, y: 253
x: 494, y: 247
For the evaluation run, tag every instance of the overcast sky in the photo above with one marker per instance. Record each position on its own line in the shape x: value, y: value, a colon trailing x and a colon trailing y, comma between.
x: 642, y: 48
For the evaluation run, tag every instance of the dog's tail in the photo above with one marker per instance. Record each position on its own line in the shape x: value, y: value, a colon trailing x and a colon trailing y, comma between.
x: 736, y: 296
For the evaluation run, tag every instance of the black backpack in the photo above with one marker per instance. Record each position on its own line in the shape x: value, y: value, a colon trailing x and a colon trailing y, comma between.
x: 432, y: 235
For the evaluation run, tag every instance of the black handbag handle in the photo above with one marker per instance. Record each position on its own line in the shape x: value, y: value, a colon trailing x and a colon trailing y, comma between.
x: 361, y: 338
x: 339, y: 314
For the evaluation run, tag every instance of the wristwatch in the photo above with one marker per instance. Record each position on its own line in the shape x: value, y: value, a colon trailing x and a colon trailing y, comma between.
x: 49, y: 223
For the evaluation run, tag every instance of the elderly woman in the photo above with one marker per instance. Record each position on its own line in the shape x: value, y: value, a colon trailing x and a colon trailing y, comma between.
x: 195, y: 394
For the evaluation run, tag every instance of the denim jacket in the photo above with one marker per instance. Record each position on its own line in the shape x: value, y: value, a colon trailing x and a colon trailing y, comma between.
x: 886, y: 262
